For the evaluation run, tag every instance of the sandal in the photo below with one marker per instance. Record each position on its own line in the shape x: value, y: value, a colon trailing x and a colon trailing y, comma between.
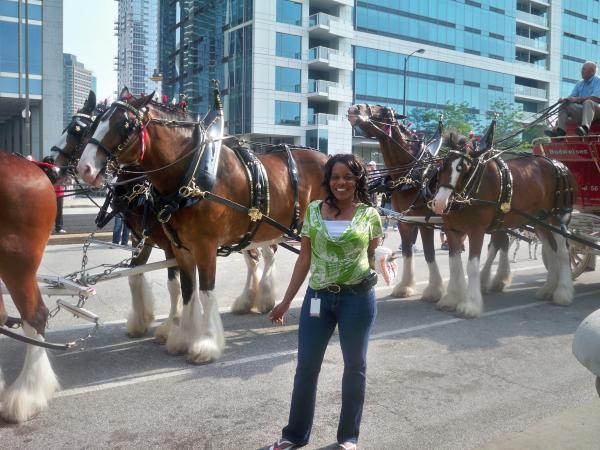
x: 283, y: 444
x: 348, y: 446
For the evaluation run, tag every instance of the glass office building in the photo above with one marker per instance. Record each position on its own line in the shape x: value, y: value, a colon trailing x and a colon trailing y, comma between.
x: 137, y: 58
x: 30, y: 74
x: 292, y: 67
x: 78, y: 81
x: 191, y: 50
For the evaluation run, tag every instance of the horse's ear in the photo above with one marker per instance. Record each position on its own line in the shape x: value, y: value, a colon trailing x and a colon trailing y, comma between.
x: 125, y: 94
x: 143, y: 101
x: 90, y: 103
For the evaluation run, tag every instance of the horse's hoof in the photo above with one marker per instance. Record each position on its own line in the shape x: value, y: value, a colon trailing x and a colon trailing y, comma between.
x: 403, y: 291
x: 138, y: 326
x: 499, y: 285
x: 203, y: 351
x: 239, y: 310
x: 562, y: 297
x: 162, y: 333
x: 263, y: 309
x: 242, y: 305
x: 432, y: 294
x: 543, y: 293
x: 467, y: 312
x: 176, y: 344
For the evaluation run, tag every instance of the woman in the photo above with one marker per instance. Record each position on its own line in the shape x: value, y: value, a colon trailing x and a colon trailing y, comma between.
x: 338, y: 241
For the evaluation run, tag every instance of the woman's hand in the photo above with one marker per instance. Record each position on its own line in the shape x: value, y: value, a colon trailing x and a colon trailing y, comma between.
x: 277, y: 313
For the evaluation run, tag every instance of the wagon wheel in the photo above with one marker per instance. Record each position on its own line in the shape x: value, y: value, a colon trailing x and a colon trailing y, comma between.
x: 586, y: 226
x: 580, y: 258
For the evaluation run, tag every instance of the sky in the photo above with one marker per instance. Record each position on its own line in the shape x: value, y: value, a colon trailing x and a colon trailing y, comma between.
x: 88, y: 33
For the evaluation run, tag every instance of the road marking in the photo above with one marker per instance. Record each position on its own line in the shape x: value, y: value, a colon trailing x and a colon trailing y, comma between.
x: 160, y: 375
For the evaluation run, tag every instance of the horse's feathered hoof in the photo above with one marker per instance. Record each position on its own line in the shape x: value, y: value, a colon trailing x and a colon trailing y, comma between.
x: 562, y: 297
x: 432, y: 294
x: 499, y: 285
x: 467, y: 312
x: 138, y: 326
x: 203, y: 351
x: 544, y: 293
x: 401, y: 291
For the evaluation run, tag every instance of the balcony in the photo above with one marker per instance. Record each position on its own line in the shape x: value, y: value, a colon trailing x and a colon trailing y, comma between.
x: 321, y: 119
x: 531, y: 92
x: 318, y: 89
x: 325, y: 26
x: 532, y: 19
x: 323, y: 58
x: 540, y: 45
x: 539, y: 65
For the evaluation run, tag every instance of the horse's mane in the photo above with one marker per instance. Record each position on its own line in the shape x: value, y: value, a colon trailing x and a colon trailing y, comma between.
x: 175, y: 112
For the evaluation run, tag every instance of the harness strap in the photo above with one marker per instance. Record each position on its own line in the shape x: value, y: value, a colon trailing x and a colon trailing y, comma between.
x: 293, y: 172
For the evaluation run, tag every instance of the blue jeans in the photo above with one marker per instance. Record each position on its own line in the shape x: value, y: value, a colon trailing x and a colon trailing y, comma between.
x: 120, y: 231
x: 354, y: 315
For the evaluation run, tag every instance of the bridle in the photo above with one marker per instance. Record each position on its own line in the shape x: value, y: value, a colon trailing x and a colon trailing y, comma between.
x: 389, y: 121
x: 129, y: 128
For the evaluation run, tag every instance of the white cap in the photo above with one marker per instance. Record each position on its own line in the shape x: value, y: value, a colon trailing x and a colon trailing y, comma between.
x: 371, y: 163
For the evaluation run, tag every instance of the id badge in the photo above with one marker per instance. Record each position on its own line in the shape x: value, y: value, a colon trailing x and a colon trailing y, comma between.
x: 315, y: 307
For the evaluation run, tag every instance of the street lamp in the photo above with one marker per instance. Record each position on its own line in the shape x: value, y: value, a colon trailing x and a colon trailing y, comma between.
x: 421, y: 50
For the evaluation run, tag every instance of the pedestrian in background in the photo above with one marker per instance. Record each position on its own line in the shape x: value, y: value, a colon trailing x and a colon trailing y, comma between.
x: 120, y: 231
x: 338, y: 241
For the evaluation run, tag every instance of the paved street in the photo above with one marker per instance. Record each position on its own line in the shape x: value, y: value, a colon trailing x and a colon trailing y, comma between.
x: 434, y: 381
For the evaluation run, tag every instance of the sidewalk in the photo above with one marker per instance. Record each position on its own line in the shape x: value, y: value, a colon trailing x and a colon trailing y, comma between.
x: 80, y: 206
x: 576, y: 428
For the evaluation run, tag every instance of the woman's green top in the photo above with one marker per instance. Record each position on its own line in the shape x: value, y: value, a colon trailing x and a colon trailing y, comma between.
x: 343, y: 260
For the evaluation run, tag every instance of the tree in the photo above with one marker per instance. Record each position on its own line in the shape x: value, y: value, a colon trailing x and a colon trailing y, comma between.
x: 510, y: 120
x: 458, y: 116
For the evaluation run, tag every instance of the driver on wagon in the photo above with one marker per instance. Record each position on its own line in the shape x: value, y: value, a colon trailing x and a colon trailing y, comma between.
x: 582, y: 106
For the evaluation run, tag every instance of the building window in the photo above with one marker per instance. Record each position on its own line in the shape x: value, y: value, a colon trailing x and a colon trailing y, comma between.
x: 287, y: 79
x: 288, y: 46
x: 289, y: 11
x: 317, y: 139
x: 287, y: 113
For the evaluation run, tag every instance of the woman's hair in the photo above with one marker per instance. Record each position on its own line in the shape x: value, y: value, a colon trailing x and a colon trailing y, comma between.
x: 359, y: 171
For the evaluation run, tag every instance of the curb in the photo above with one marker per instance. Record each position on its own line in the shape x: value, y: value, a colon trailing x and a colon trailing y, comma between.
x: 77, y: 238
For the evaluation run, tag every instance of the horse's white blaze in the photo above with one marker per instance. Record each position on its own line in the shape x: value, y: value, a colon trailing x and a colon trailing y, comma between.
x: 440, y: 201
x: 472, y: 304
x: 34, y: 386
x: 457, y: 288
x: 244, y: 302
x: 174, y: 287
x: 435, y: 288
x: 207, y: 338
x: 142, y: 303
x: 265, y: 299
x: 90, y: 164
x: 407, y: 284
x: 564, y: 292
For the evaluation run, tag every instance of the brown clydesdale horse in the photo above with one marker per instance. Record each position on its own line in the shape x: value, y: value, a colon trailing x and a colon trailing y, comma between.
x: 28, y: 212
x: 68, y: 150
x: 402, y: 150
x: 138, y: 132
x: 541, y: 187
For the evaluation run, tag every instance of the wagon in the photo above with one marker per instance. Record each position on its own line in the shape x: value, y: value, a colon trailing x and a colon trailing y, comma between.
x: 582, y: 156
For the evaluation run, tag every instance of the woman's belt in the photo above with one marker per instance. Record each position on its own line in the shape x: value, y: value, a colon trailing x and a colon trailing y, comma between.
x: 367, y: 283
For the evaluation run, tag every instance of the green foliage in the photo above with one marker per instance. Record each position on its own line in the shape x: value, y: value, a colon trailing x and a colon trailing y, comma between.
x: 510, y: 119
x: 457, y: 116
